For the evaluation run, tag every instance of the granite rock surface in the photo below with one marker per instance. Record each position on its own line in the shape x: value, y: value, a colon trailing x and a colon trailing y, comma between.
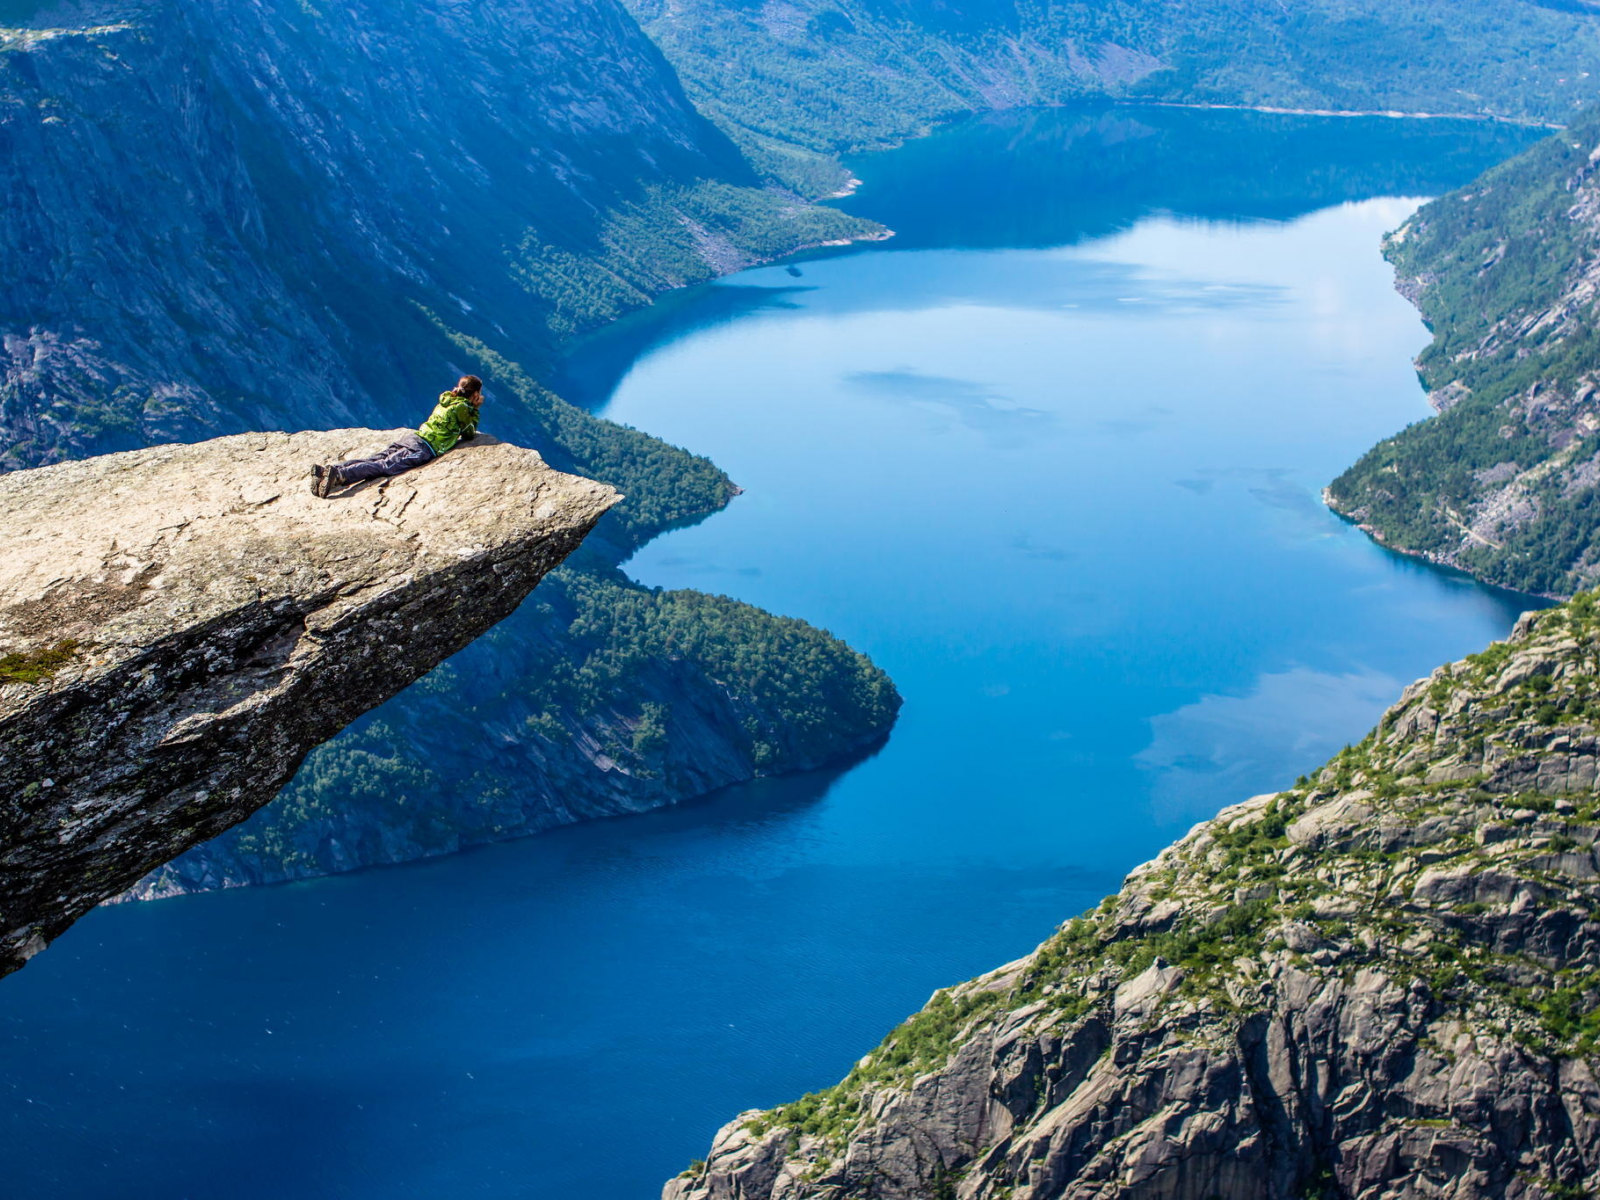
x: 182, y: 624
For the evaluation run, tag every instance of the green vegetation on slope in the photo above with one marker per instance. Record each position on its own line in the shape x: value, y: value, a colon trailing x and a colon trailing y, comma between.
x: 1502, y: 483
x: 669, y: 236
x: 806, y: 690
x: 598, y: 672
x: 40, y: 665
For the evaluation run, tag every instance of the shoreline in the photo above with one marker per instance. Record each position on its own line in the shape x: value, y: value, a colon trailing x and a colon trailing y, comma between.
x: 1432, y: 558
x: 855, y: 182
x: 1347, y: 113
x: 1112, y: 102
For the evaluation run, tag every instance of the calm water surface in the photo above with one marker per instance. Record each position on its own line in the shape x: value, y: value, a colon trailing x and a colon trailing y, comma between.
x: 1052, y: 457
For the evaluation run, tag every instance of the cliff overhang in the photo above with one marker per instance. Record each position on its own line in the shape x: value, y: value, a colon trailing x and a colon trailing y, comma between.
x: 180, y: 625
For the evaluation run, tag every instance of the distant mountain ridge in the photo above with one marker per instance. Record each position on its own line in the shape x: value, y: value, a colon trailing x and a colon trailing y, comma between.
x: 798, y: 82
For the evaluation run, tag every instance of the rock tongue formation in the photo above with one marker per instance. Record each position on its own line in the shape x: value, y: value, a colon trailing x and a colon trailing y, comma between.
x: 183, y: 623
x: 1379, y: 983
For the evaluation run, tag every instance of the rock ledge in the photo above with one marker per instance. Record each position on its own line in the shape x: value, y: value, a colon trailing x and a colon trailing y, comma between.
x: 197, y: 621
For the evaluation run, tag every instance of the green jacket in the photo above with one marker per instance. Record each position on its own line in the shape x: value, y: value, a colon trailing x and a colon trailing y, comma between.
x: 453, y: 419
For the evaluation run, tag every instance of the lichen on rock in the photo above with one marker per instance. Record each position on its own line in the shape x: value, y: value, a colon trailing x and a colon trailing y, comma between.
x: 223, y: 621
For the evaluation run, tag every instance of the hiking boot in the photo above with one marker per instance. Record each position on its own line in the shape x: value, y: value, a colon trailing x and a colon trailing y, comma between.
x: 323, y: 481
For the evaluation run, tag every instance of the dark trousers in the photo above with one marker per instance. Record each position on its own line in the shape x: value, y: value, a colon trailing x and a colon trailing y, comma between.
x: 409, y: 452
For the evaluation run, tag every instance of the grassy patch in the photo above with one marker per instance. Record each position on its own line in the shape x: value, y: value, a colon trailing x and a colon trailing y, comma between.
x: 1570, y: 1016
x: 37, y: 665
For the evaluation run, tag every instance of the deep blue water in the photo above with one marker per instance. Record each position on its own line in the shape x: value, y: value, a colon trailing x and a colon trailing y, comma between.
x: 1052, y: 457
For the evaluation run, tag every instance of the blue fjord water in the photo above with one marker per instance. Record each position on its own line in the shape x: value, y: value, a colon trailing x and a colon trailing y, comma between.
x: 1052, y: 457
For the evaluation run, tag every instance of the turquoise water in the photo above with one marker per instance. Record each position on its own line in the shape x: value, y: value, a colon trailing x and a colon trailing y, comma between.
x: 1052, y: 457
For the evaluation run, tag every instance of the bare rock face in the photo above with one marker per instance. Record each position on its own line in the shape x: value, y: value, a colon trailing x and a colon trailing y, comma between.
x: 1380, y: 983
x: 180, y: 625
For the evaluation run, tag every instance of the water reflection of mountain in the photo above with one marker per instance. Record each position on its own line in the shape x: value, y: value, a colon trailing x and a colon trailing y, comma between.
x: 1030, y: 178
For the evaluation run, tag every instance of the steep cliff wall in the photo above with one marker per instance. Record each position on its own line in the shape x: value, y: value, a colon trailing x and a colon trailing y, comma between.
x: 1503, y: 481
x: 227, y: 215
x: 1379, y: 983
x: 186, y: 622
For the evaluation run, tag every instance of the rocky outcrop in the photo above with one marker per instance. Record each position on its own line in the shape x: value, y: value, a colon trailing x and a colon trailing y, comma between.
x: 181, y: 624
x: 1379, y: 984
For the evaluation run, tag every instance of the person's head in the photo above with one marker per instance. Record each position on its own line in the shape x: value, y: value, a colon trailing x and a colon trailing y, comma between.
x: 469, y: 387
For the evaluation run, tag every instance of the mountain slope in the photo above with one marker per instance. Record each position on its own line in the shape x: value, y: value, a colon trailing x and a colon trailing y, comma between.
x: 1502, y: 482
x: 797, y: 81
x: 230, y: 213
x: 1379, y: 983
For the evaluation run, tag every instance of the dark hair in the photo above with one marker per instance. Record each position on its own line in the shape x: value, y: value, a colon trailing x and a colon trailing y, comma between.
x: 468, y: 386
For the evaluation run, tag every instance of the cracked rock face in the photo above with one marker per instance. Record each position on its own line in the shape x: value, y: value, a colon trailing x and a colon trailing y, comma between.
x: 1380, y: 983
x: 194, y: 621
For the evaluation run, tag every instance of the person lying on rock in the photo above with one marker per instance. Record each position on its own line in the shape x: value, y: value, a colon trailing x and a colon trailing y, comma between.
x: 454, y: 419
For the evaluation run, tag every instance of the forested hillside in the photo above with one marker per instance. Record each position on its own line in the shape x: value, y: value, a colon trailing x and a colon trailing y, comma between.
x: 796, y: 82
x: 609, y: 699
x: 1503, y: 482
